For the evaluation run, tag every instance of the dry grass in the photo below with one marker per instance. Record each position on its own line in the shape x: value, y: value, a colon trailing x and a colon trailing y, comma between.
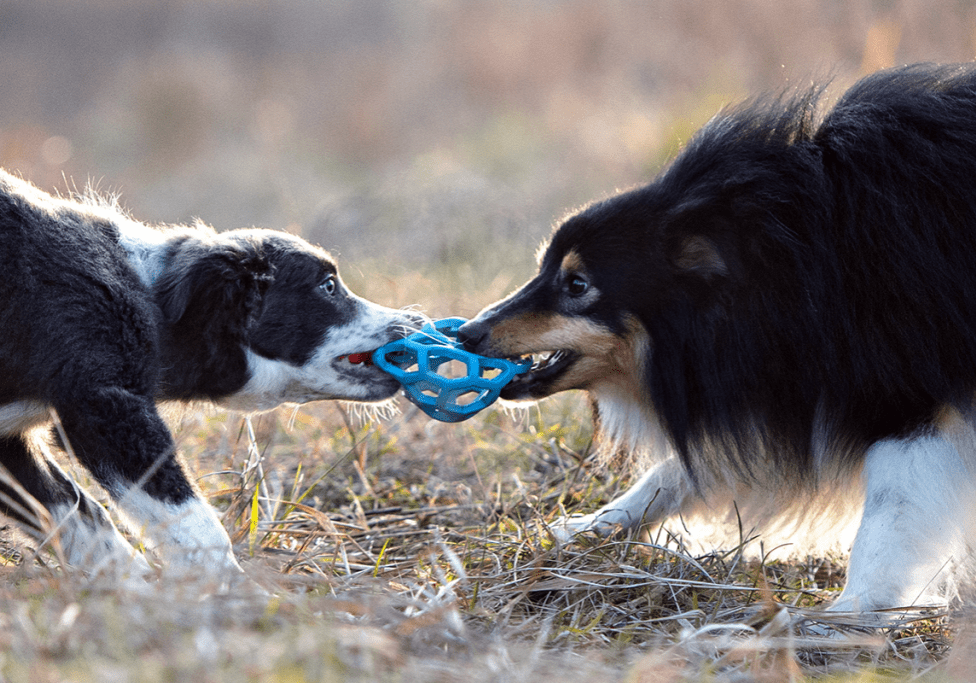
x: 429, y: 144
x: 408, y: 550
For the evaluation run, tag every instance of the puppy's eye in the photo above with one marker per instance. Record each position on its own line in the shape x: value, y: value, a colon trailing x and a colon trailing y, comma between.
x: 329, y: 285
x: 577, y: 285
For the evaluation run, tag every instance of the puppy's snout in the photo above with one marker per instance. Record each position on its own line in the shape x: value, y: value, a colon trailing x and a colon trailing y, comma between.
x: 413, y: 321
x: 406, y: 322
x: 473, y: 335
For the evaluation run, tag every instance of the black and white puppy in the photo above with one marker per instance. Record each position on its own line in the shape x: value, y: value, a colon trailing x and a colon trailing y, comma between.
x: 102, y: 316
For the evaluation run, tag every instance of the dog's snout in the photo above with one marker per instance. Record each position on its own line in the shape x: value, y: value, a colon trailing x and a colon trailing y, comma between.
x: 472, y: 335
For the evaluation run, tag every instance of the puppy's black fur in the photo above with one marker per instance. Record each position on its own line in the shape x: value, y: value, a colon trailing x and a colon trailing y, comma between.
x: 101, y: 317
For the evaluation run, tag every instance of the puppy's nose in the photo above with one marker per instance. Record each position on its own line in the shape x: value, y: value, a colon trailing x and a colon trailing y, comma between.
x: 472, y: 335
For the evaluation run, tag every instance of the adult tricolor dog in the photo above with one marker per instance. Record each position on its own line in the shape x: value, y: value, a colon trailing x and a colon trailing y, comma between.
x: 784, y: 322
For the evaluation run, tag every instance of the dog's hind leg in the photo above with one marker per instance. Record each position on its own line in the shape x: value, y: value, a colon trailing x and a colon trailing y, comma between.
x: 918, y: 503
x: 121, y: 439
x: 51, y: 507
x: 661, y: 492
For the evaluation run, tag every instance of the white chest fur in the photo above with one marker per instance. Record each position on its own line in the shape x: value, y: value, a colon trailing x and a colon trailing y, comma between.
x: 20, y: 416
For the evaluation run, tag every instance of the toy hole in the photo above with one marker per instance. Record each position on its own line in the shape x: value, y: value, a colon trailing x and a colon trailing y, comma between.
x: 491, y: 373
x: 452, y: 368
x: 429, y: 392
x: 467, y: 398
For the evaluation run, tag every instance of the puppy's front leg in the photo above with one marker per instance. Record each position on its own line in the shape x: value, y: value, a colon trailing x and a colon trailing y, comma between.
x: 187, y: 534
x: 80, y: 526
x: 120, y: 438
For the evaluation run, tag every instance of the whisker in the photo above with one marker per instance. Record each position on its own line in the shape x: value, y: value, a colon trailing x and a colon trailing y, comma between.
x: 372, y: 412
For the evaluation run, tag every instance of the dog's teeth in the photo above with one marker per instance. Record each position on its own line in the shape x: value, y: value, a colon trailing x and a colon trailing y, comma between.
x: 544, y: 360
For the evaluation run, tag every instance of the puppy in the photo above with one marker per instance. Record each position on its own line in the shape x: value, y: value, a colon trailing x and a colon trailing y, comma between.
x: 786, y: 319
x: 101, y: 317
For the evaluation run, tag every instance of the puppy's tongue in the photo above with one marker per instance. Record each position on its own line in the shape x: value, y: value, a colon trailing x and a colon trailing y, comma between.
x: 357, y: 358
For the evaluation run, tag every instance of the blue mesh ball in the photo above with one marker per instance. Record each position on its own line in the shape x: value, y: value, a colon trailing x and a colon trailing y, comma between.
x: 417, y: 362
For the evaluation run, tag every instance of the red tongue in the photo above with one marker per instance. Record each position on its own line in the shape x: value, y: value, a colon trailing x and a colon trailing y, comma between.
x: 357, y: 358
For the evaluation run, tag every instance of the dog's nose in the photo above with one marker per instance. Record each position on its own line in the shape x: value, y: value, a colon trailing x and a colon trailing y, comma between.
x: 472, y: 334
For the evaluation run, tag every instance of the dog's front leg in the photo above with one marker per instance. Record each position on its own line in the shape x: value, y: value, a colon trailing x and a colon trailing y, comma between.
x: 120, y: 438
x: 658, y: 494
x: 918, y: 501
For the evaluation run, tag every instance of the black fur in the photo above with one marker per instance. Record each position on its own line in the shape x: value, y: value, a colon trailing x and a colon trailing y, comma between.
x: 101, y: 317
x: 786, y: 319
x: 831, y: 282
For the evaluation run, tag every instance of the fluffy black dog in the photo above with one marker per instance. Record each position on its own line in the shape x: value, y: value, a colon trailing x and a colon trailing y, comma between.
x: 102, y: 316
x: 787, y: 316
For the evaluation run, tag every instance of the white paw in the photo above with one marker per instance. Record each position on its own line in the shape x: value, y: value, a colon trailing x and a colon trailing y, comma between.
x: 848, y: 627
x: 566, y: 528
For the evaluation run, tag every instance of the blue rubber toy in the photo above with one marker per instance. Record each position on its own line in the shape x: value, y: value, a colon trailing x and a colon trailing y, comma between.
x: 415, y: 360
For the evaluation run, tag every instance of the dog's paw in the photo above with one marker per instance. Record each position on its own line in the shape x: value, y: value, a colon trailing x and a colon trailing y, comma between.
x: 566, y: 529
x: 823, y: 625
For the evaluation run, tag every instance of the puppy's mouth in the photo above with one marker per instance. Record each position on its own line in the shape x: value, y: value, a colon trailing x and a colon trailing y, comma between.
x: 359, y: 369
x: 359, y: 366
x: 361, y: 358
x: 547, y: 366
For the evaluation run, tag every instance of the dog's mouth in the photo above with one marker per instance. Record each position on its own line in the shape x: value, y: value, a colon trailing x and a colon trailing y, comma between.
x: 547, y: 366
x: 550, y: 361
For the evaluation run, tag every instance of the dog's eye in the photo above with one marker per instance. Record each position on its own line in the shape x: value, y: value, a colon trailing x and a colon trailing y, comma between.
x: 329, y: 285
x: 577, y: 286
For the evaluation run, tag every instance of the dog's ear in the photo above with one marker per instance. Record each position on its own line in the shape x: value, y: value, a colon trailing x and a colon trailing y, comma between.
x: 214, y: 286
x: 699, y: 255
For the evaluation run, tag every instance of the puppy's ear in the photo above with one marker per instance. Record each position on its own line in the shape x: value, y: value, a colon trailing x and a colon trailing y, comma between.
x: 213, y: 286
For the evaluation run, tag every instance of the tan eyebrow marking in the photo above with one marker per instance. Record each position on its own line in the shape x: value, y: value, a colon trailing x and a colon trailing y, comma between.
x: 572, y: 263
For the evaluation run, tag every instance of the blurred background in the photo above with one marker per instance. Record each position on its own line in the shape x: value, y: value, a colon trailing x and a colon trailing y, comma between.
x: 430, y: 144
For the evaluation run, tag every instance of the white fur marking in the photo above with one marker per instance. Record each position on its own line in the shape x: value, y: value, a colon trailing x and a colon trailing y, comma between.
x: 918, y: 512
x: 145, y: 246
x: 629, y: 426
x: 658, y: 494
x: 20, y: 416
x: 187, y: 535
x: 95, y: 545
x: 273, y: 382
